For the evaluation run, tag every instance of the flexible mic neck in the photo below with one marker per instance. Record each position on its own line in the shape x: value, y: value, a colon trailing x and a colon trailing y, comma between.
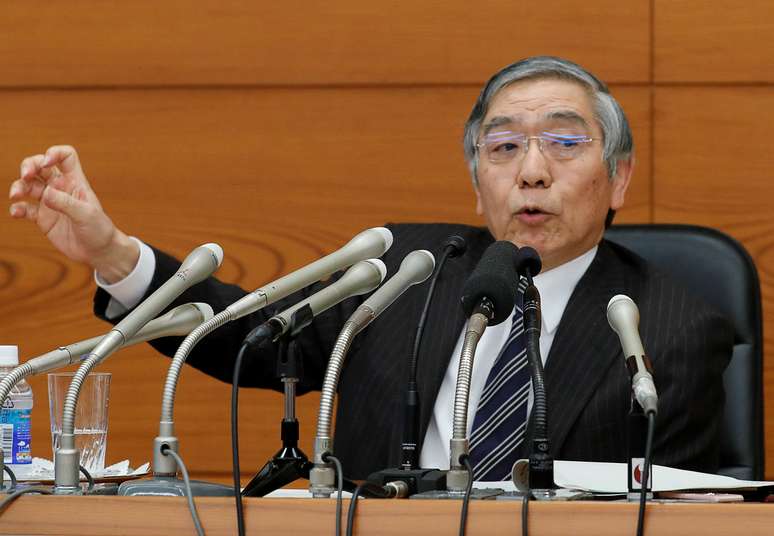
x: 487, y: 299
x: 415, y: 268
x: 541, y: 461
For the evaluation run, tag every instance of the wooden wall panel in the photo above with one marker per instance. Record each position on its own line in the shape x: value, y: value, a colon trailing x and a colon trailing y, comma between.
x: 114, y: 43
x: 277, y: 176
x: 719, y: 41
x: 713, y: 167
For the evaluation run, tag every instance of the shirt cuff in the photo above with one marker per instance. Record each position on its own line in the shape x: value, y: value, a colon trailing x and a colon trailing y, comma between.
x: 128, y: 292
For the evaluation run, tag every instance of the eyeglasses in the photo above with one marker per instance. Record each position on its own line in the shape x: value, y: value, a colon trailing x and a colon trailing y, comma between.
x: 505, y: 146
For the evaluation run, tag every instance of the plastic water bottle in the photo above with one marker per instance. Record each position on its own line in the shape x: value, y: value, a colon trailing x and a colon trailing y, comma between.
x: 15, y: 417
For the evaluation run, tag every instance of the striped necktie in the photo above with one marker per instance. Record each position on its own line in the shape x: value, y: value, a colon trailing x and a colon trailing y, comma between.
x: 501, y: 415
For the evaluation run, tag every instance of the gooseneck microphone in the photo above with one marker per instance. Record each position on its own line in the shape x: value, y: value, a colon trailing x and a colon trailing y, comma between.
x: 179, y: 321
x: 624, y: 317
x: 418, y: 480
x: 196, y: 267
x: 487, y: 299
x: 367, y: 244
x: 541, y: 461
x: 415, y: 268
x: 454, y: 246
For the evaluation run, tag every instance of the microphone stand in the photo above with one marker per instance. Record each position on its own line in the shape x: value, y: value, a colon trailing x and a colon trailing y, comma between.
x: 418, y: 480
x: 541, y: 462
x: 289, y: 463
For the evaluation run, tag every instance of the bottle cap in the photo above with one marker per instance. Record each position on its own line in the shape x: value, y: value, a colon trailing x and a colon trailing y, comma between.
x: 9, y: 355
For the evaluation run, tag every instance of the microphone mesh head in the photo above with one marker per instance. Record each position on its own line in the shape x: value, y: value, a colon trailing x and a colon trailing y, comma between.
x: 495, y: 278
x: 528, y: 259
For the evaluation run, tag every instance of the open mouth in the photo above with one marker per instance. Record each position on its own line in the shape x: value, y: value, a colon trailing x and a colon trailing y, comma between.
x: 532, y: 211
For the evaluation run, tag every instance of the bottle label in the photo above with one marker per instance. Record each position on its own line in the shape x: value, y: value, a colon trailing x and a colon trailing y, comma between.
x: 15, y: 435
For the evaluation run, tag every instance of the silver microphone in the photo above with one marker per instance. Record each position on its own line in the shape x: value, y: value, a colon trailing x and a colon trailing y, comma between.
x: 365, y: 245
x: 624, y: 317
x: 415, y: 268
x: 197, y: 266
x: 176, y: 322
x: 361, y: 278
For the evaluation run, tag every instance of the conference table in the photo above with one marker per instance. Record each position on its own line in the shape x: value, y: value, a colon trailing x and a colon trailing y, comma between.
x: 108, y: 515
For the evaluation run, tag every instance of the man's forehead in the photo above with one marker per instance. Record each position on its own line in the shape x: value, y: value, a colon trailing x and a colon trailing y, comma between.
x: 541, y: 99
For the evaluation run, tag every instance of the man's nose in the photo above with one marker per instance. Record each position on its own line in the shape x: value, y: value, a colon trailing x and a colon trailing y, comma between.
x: 534, y: 171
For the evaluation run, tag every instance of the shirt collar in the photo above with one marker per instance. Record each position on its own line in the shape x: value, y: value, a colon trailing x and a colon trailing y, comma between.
x: 556, y: 286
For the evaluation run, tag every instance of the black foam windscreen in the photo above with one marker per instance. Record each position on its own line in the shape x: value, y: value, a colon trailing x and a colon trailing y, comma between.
x: 495, y: 278
x: 528, y: 259
x: 456, y: 246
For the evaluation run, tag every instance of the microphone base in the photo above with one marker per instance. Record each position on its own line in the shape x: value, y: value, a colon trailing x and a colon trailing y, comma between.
x: 173, y: 487
x: 417, y: 480
x: 288, y: 465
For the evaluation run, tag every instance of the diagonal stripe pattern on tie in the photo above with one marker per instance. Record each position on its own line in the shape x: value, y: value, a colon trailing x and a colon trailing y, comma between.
x: 501, y: 415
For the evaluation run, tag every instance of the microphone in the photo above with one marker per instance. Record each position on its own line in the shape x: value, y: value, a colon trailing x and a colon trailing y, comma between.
x: 488, y: 298
x: 197, y: 266
x: 176, y: 322
x: 624, y: 317
x: 493, y: 280
x: 361, y: 278
x: 415, y: 268
x: 179, y: 321
x: 367, y: 244
x: 416, y: 479
x: 541, y: 461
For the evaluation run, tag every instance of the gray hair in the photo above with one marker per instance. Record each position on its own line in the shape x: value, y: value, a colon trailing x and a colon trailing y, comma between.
x: 618, y: 140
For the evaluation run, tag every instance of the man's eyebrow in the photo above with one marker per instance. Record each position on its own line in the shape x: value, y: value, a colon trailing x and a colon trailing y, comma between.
x: 567, y: 115
x: 498, y: 121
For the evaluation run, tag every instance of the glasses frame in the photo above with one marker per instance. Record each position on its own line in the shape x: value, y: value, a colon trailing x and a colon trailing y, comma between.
x: 540, y: 140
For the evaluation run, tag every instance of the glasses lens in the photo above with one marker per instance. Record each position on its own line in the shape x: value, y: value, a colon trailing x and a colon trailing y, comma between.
x: 564, y: 146
x: 503, y: 145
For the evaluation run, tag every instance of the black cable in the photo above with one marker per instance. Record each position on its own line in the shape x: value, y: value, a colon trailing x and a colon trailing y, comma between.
x: 240, y: 514
x: 18, y: 493
x: 12, y: 476
x: 353, y: 507
x: 367, y: 489
x: 166, y: 451
x: 328, y: 457
x: 465, y: 460
x: 525, y: 513
x: 89, y: 478
x: 646, y: 474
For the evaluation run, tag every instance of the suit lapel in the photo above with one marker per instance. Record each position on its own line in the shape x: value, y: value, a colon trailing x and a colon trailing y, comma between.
x: 584, y: 347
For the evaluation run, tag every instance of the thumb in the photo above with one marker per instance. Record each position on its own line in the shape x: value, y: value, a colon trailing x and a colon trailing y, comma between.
x: 67, y: 204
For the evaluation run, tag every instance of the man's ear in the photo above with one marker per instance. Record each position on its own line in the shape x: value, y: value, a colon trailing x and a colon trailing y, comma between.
x: 620, y: 182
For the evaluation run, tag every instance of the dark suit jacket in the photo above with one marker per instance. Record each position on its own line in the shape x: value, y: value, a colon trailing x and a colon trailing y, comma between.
x: 586, y: 379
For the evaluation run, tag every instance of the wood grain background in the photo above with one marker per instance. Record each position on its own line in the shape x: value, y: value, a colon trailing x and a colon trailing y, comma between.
x: 279, y: 132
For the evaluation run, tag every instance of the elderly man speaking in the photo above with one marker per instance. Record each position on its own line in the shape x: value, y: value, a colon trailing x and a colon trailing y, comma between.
x: 551, y: 156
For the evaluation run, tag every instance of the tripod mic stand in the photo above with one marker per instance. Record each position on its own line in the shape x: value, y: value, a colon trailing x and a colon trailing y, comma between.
x: 290, y: 463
